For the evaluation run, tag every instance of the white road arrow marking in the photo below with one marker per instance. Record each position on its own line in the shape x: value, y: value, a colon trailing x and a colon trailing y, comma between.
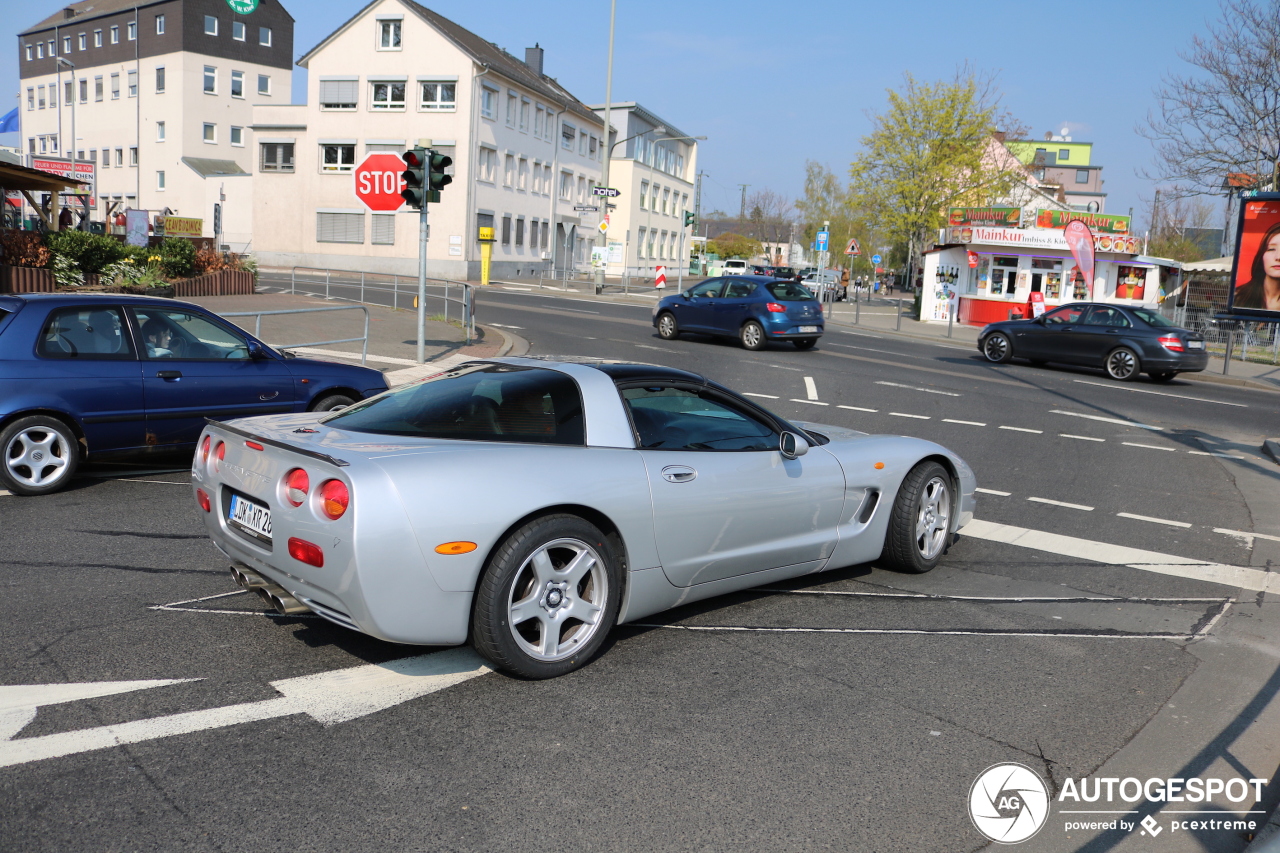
x: 327, y: 697
x: 19, y: 702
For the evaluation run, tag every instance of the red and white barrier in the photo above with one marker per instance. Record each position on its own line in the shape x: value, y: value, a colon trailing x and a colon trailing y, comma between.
x: 660, y: 281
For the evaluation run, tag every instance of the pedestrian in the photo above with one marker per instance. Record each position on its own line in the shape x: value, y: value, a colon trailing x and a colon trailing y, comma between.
x: 64, y: 219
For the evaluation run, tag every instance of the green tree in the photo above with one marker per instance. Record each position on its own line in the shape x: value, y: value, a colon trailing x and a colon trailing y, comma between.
x: 730, y: 245
x: 929, y: 151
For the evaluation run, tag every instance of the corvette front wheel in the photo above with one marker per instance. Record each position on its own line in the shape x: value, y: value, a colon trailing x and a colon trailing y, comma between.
x: 920, y: 523
x: 548, y: 598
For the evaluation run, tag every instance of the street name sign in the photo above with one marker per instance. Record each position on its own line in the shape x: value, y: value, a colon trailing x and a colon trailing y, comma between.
x: 610, y: 192
x: 586, y: 207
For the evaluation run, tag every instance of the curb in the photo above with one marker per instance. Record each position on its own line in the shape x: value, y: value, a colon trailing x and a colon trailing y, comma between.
x: 1271, y: 447
x: 512, y: 345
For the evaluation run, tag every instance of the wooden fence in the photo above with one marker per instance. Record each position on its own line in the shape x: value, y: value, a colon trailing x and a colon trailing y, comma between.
x: 34, y: 280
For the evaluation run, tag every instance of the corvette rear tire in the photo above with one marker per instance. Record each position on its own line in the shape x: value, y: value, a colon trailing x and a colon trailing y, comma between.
x: 668, y: 329
x: 38, y: 455
x: 752, y: 335
x: 920, y: 523
x: 548, y: 598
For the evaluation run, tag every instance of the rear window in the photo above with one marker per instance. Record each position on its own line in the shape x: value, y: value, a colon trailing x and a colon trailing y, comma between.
x: 83, y: 332
x: 790, y: 291
x: 1151, y: 318
x: 485, y: 402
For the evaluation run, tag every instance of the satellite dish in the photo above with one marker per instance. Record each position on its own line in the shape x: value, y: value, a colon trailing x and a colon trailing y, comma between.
x: 1065, y: 131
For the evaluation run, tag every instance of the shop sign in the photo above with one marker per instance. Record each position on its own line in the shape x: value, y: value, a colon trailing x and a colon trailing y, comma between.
x: 1039, y: 238
x: 180, y: 226
x: 85, y: 171
x: 1099, y: 223
x: 1007, y: 216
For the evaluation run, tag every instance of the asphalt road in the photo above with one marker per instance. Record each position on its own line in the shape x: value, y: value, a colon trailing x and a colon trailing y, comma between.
x: 848, y: 711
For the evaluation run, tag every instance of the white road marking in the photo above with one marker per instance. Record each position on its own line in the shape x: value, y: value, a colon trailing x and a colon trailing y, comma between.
x: 939, y: 632
x: 810, y: 402
x: 1010, y: 599
x: 20, y: 702
x: 578, y: 310
x: 1158, y: 393
x: 1107, y: 420
x: 914, y: 388
x: 1023, y: 429
x: 781, y: 367
x: 1119, y: 555
x: 993, y: 492
x: 1207, y: 453
x: 1150, y: 446
x: 810, y: 389
x: 765, y: 396
x: 176, y: 607
x: 966, y: 423
x: 1079, y: 437
x: 161, y: 482
x: 505, y: 326
x: 1250, y: 536
x: 659, y: 349
x: 4, y: 493
x: 1061, y: 503
x: 1152, y: 520
x: 857, y: 408
x: 509, y: 287
x: 862, y: 335
x: 905, y: 415
x: 327, y: 697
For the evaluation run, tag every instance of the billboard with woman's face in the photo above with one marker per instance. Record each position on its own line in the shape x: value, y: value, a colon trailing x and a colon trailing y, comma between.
x: 1255, y: 280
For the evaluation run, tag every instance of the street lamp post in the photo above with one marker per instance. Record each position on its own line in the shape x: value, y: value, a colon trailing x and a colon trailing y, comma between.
x: 60, y: 62
x: 608, y: 154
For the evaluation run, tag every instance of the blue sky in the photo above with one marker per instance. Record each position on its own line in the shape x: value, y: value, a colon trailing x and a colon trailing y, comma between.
x: 772, y: 85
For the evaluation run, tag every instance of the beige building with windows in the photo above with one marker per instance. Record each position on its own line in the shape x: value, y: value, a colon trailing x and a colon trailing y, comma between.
x: 525, y: 152
x: 162, y: 95
x: 653, y: 166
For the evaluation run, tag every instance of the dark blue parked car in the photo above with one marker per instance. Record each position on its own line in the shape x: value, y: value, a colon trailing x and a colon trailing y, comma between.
x: 83, y: 375
x: 755, y: 309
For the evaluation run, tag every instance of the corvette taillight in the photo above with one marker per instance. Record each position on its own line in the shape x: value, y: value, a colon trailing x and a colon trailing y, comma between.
x: 202, y: 498
x: 306, y: 552
x: 296, y: 486
x: 204, y: 450
x: 776, y: 308
x: 334, y: 499
x: 1172, y: 343
x: 219, y: 453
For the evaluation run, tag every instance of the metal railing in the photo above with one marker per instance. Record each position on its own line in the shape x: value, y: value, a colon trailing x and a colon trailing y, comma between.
x: 452, y: 297
x: 257, y: 327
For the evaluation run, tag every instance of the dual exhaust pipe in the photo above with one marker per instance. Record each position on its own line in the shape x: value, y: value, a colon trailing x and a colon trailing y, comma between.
x: 273, y: 595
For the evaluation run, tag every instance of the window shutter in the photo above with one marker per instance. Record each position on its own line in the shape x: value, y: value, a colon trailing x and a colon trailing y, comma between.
x: 339, y: 227
x: 383, y: 230
x: 339, y: 93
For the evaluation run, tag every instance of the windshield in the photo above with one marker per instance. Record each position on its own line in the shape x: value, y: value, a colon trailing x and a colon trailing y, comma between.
x: 476, y: 402
x: 1151, y: 318
x: 790, y: 291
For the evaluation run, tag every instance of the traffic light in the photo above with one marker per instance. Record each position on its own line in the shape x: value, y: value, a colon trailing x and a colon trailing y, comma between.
x: 436, y: 178
x: 415, y: 178
x: 689, y: 218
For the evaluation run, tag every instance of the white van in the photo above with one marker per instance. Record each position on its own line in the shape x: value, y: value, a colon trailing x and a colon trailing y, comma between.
x: 735, y: 267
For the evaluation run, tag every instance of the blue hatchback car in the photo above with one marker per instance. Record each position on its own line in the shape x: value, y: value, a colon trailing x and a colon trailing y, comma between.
x: 85, y: 375
x: 755, y: 309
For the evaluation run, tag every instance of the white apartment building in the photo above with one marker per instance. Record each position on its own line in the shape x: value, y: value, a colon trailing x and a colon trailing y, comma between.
x: 525, y: 152
x: 162, y: 94
x: 653, y: 165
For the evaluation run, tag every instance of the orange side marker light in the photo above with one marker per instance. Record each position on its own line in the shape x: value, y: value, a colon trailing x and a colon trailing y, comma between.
x: 456, y: 548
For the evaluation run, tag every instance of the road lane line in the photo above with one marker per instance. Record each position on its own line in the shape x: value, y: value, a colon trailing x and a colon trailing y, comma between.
x: 1152, y: 520
x: 1243, y: 535
x: 993, y: 492
x: 659, y: 349
x: 811, y: 390
x: 1061, y: 503
x: 905, y: 415
x: 780, y: 367
x: 914, y: 388
x: 1079, y: 437
x: 509, y: 287
x: 1207, y: 453
x: 1149, y: 446
x: 4, y: 493
x: 856, y: 408
x: 1107, y: 420
x: 966, y: 423
x: 999, y: 599
x: 1158, y: 393
x: 810, y: 402
x: 764, y: 396
x: 1066, y: 633
x: 1023, y: 429
x: 1119, y: 555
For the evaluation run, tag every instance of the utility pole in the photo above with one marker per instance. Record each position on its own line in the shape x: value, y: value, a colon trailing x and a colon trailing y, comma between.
x: 697, y: 220
x: 742, y: 208
x: 608, y: 152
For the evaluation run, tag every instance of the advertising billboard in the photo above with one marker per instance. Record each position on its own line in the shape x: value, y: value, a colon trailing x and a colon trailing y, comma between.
x: 1099, y: 223
x: 84, y: 171
x: 1255, y: 275
x: 1004, y: 216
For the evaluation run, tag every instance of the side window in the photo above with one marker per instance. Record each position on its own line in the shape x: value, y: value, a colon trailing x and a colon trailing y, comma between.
x: 1064, y: 316
x: 1101, y: 315
x: 709, y: 288
x: 183, y: 335
x: 739, y: 290
x: 95, y: 333
x: 668, y: 418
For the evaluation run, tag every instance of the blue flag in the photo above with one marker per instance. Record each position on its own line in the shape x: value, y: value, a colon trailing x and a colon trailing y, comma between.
x: 9, y: 123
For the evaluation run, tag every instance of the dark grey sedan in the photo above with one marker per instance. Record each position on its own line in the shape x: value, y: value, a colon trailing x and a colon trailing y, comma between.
x: 1123, y: 341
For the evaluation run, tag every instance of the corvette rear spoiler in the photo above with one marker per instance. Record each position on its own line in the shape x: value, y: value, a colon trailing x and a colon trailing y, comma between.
x: 314, y: 454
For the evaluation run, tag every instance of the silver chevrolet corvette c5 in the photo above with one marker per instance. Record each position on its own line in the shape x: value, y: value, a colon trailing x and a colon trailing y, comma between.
x: 529, y: 505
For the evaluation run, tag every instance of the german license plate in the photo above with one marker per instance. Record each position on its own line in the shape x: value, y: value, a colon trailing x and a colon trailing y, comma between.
x: 808, y: 330
x: 251, y: 517
x: 1195, y: 344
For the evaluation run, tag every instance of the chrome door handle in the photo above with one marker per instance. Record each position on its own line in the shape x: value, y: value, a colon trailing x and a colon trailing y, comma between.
x: 679, y: 474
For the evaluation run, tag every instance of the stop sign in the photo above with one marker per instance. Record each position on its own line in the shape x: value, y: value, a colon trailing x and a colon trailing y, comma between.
x: 378, y: 182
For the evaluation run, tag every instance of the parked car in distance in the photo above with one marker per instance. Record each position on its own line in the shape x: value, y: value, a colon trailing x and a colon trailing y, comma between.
x: 753, y: 309
x: 775, y: 272
x: 1124, y: 341
x: 85, y: 376
x: 735, y: 266
x: 826, y: 280
x: 614, y: 491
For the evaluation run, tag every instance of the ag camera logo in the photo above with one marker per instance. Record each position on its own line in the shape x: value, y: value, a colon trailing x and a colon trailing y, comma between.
x: 1008, y: 803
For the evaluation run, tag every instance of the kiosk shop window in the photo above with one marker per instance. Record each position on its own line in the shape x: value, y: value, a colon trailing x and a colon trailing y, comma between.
x: 1004, y: 275
x: 1046, y: 276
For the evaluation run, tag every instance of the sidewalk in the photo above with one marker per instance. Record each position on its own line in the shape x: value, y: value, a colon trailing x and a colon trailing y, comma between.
x: 393, y: 336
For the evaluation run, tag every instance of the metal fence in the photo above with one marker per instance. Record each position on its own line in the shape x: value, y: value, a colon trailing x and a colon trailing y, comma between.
x: 1195, y: 304
x: 363, y: 340
x: 631, y: 280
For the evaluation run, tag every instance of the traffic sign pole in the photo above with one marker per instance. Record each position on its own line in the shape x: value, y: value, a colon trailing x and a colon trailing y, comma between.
x: 422, y: 285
